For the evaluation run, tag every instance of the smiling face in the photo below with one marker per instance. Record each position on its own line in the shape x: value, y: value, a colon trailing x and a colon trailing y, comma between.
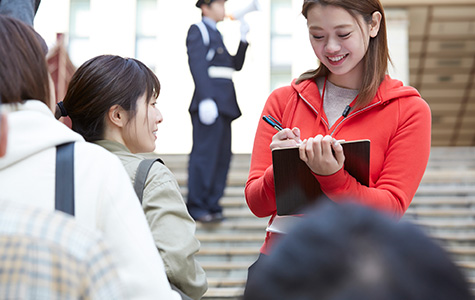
x: 139, y: 135
x: 340, y: 42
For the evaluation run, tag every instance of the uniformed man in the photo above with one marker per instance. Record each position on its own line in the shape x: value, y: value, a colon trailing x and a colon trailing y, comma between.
x: 212, y: 110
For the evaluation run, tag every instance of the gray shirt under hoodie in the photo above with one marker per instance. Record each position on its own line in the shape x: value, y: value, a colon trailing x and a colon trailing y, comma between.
x: 335, y: 99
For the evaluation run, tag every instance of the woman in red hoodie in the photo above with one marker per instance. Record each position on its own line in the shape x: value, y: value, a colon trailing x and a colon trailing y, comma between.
x: 348, y: 97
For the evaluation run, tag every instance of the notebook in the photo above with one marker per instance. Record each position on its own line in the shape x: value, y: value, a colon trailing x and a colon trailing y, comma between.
x: 295, y: 185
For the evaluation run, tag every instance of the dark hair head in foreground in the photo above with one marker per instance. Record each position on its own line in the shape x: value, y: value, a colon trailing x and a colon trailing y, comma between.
x: 23, y: 69
x: 348, y: 252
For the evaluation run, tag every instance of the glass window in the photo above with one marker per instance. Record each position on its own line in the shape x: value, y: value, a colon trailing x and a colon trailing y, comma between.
x: 79, y: 31
x: 281, y: 41
x: 145, y: 36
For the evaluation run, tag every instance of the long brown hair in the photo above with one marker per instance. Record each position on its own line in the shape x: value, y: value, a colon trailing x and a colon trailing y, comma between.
x: 376, y: 58
x: 23, y: 68
x: 102, y: 82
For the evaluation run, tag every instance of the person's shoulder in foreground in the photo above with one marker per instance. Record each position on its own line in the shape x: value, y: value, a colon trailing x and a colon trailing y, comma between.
x: 352, y: 252
x: 105, y: 199
x: 48, y: 255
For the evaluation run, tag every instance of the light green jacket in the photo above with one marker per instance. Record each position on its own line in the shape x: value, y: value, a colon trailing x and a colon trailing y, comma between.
x: 172, y: 227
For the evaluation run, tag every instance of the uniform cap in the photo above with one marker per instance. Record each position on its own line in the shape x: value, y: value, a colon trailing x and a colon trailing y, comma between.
x: 201, y: 2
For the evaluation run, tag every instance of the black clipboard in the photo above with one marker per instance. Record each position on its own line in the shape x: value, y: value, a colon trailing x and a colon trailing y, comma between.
x: 295, y: 185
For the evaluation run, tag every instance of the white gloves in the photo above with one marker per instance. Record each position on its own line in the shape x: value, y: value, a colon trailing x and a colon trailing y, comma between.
x: 207, y: 111
x: 244, y: 29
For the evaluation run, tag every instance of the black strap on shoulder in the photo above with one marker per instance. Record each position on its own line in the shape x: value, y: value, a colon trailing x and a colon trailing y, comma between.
x: 141, y: 175
x: 64, y: 188
x: 139, y: 184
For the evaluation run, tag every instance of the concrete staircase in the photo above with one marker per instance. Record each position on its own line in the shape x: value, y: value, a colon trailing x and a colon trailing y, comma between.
x: 444, y: 207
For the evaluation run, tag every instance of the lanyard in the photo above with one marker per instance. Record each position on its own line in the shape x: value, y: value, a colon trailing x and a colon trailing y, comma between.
x: 347, y: 109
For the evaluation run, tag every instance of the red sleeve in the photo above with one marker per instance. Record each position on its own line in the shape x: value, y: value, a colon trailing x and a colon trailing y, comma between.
x: 405, y: 161
x: 260, y: 191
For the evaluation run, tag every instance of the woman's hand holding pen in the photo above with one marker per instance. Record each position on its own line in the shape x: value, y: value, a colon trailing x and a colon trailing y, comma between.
x: 318, y: 155
x: 286, y: 138
x: 323, y: 155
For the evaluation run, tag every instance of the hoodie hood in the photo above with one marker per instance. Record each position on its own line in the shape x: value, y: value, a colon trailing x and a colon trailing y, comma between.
x: 32, y: 129
x: 389, y: 89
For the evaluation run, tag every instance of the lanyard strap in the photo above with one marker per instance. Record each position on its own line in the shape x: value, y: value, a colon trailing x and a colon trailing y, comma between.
x: 347, y: 109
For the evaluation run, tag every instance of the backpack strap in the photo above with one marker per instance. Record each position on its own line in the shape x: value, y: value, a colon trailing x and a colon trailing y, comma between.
x: 141, y: 175
x: 64, y: 185
x: 139, y: 185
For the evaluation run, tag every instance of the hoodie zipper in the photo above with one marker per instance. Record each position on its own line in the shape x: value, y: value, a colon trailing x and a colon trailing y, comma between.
x: 313, y: 108
x: 345, y: 118
x: 353, y: 114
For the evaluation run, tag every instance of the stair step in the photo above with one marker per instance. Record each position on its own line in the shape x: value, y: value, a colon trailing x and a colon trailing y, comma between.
x: 240, y: 237
x: 451, y: 190
x: 228, y: 251
x: 235, y: 179
x: 229, y: 191
x: 468, y: 265
x: 237, y: 224
x: 460, y: 253
x: 461, y: 250
x: 449, y: 176
x: 227, y: 265
x: 233, y: 201
x: 447, y: 224
x: 439, y: 201
x: 223, y: 293
x: 440, y: 212
x: 226, y: 282
x: 181, y: 160
x: 243, y: 212
x: 467, y: 237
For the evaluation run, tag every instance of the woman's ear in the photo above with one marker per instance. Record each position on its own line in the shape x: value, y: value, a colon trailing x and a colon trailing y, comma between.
x: 117, y: 115
x: 375, y: 24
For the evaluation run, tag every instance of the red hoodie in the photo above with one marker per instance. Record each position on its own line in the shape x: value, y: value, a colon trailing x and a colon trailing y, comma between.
x: 397, y: 122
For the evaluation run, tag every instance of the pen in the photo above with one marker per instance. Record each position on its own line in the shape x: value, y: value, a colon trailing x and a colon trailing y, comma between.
x: 272, y: 122
x: 276, y: 124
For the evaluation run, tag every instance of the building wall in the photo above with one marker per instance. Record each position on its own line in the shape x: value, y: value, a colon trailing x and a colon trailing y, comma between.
x: 111, y: 29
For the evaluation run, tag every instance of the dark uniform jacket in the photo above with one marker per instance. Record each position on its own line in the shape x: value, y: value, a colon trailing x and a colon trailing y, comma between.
x: 206, y: 49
